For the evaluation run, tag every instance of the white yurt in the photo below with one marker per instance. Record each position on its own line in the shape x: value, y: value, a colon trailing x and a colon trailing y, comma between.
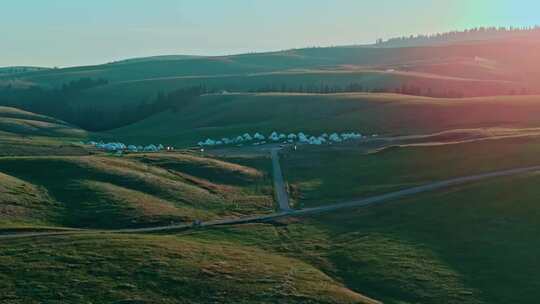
x: 258, y: 136
x: 335, y: 137
x: 274, y: 136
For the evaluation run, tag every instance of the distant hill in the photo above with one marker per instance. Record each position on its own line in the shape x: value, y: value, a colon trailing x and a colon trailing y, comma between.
x: 128, y: 91
x: 507, y: 56
x: 156, y: 58
x: 217, y: 116
x: 19, y: 70
x: 104, y: 192
x: 17, y: 122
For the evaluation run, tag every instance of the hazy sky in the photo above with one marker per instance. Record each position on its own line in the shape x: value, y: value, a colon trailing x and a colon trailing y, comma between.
x: 76, y: 32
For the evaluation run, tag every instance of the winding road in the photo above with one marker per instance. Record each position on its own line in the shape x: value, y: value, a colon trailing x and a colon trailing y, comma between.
x: 284, y: 207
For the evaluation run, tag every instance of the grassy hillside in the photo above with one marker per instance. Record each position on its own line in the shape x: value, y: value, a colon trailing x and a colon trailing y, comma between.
x: 168, y: 270
x: 507, y: 52
x: 128, y: 93
x: 14, y: 70
x: 470, y: 244
x: 473, y: 243
x: 26, y: 133
x: 484, y: 233
x: 473, y: 69
x: 324, y: 176
x: 216, y: 116
x: 16, y: 145
x: 22, y: 203
x: 19, y: 122
x: 111, y: 192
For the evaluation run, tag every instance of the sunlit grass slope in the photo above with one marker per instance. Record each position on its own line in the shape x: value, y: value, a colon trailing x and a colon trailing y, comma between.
x: 216, y: 116
x: 26, y: 133
x: 475, y: 243
x: 16, y: 145
x: 22, y: 203
x: 158, y: 269
x: 130, y: 93
x: 509, y: 55
x: 111, y: 192
x: 18, y: 122
x: 473, y: 69
x: 323, y: 176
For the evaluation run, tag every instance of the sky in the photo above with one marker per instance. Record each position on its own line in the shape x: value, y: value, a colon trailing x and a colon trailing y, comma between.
x: 77, y: 32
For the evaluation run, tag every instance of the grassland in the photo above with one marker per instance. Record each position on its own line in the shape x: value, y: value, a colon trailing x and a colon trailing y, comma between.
x: 469, y: 244
x: 19, y: 122
x: 508, y: 56
x: 112, y: 192
x: 470, y: 69
x: 473, y: 243
x: 216, y: 116
x: 22, y: 203
x: 93, y: 269
x: 128, y: 93
x: 26, y: 133
x: 323, y: 176
x: 16, y: 145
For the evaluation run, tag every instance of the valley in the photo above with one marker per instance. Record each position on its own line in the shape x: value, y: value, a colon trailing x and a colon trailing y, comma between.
x: 400, y: 172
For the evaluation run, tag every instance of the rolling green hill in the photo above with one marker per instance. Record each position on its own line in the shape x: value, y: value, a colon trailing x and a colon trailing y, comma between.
x: 322, y: 176
x: 229, y: 115
x: 22, y: 203
x: 472, y: 243
x: 159, y: 269
x: 19, y: 70
x: 459, y: 245
x: 18, y: 122
x: 500, y: 51
x: 128, y: 91
x: 112, y: 192
x: 132, y: 93
x: 26, y: 133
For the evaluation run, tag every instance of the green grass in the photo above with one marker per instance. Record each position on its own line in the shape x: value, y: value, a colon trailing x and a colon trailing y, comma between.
x: 324, y: 176
x: 18, y: 122
x: 474, y: 243
x: 17, y: 145
x: 150, y: 269
x: 483, y: 232
x: 111, y: 192
x: 212, y: 169
x: 469, y: 244
x: 216, y: 116
x: 23, y: 204
x: 507, y: 58
x: 132, y: 92
x: 24, y: 133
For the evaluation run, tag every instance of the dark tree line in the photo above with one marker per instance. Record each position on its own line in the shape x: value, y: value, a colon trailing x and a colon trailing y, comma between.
x: 62, y: 103
x: 82, y: 84
x: 354, y: 87
x: 480, y: 33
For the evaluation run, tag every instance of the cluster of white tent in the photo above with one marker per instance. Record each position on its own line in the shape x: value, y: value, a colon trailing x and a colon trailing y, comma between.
x: 116, y: 146
x: 302, y: 138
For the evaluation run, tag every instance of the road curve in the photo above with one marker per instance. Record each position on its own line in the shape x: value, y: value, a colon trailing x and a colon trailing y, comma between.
x: 282, y: 197
x: 292, y: 213
x: 415, y: 190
